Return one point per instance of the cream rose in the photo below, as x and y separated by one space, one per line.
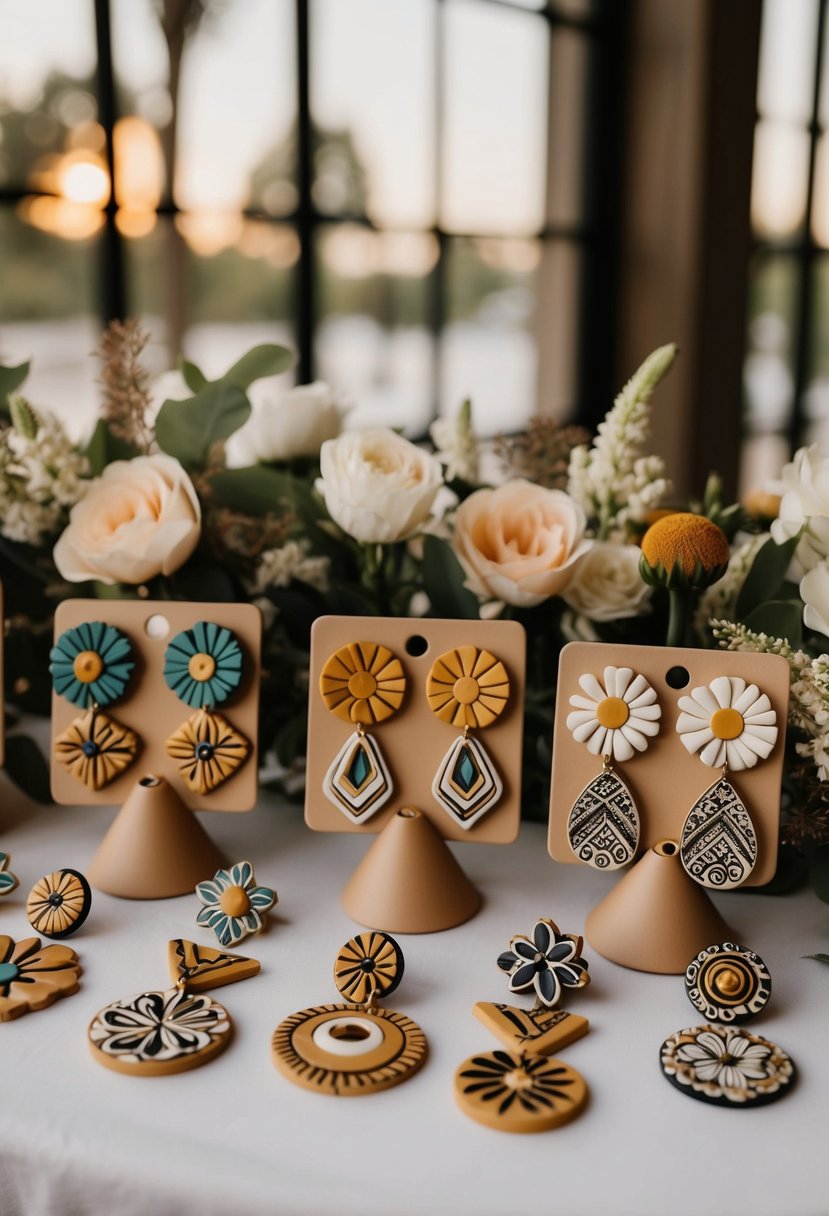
140 518
805 501
377 486
814 591
520 542
607 585
284 424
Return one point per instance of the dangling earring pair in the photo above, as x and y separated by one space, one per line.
365 684
91 666
728 723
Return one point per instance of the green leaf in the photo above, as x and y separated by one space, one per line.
821 958
765 578
27 767
10 379
256 490
443 582
188 429
779 619
266 360
104 447
194 378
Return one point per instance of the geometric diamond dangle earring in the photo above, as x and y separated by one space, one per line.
615 721
203 667
730 725
467 688
363 684
91 666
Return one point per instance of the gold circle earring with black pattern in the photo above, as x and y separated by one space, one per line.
468 688
364 684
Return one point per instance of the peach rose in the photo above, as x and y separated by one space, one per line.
140 518
519 543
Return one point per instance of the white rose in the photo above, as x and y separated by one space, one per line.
607 585
140 518
814 591
519 543
377 486
805 501
284 424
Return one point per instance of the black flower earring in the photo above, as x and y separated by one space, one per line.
203 667
91 666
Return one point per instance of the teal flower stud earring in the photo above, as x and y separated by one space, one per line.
233 905
203 666
8 881
91 666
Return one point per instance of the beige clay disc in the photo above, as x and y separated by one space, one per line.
512 1093
337 1049
158 1033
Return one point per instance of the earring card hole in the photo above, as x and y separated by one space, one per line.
416 646
152 711
665 780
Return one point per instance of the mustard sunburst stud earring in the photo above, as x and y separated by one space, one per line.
467 688
91 666
363 684
730 725
203 667
616 720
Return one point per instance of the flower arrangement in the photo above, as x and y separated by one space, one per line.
234 489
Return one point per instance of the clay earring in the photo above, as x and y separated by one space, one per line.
356 1048
157 1033
203 667
521 1089
363 684
467 688
91 666
616 721
730 725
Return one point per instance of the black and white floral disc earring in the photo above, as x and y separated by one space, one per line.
729 725
616 720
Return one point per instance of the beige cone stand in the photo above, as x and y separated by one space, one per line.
656 918
155 847
409 881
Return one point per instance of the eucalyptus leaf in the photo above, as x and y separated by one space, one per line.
779 619
27 767
104 447
255 490
820 958
443 582
765 578
188 429
265 360
194 377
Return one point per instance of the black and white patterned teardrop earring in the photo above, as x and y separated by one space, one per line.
729 725
616 720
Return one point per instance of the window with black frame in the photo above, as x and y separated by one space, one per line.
417 195
787 347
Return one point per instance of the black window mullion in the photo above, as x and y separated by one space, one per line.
305 213
113 294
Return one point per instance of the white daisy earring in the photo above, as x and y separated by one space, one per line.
616 720
730 725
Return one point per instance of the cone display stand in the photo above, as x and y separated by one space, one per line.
656 918
155 848
409 880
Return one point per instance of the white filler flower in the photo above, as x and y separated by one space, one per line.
728 722
615 720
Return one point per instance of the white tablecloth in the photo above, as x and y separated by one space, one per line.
235 1137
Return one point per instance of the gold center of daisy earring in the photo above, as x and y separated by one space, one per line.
612 713
202 667
87 666
466 690
362 685
726 724
235 901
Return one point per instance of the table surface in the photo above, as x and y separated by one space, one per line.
236 1138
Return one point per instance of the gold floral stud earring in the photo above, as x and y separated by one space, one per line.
203 667
615 720
467 688
729 725
91 666
363 684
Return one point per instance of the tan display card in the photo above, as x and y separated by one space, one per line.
666 780
152 711
414 740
